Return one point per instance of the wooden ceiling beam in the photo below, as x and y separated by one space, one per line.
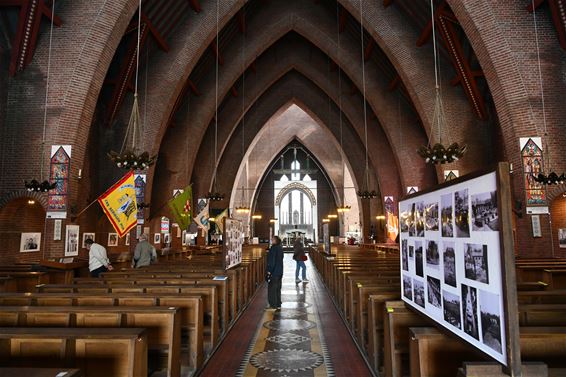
369 49
195 4
29 22
216 52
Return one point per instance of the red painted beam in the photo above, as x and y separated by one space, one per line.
216 53
125 74
387 3
537 3
393 84
234 92
195 4
155 34
353 89
253 67
193 88
558 12
242 21
465 75
369 49
426 33
342 18
29 22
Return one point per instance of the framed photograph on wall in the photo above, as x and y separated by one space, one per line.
167 238
30 242
562 238
71 240
127 239
112 239
184 238
87 236
157 238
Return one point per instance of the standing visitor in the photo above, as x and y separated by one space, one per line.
300 257
274 273
98 261
144 254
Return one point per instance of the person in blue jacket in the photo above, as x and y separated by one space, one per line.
274 273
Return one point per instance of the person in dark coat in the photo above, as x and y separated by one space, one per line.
299 257
274 273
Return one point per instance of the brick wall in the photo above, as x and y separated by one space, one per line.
19 217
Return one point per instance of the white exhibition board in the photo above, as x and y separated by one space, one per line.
233 242
451 261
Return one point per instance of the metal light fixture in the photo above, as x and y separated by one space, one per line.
325 220
380 217
552 178
332 216
438 153
131 156
256 217
342 209
215 196
272 221
365 192
42 185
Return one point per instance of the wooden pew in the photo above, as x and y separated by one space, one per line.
25 281
162 324
39 372
190 306
120 352
375 325
435 354
209 295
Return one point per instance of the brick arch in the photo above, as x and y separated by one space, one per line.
311 65
293 187
293 87
40 198
554 192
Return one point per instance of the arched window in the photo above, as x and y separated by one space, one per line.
295 167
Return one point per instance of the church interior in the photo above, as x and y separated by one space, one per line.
162 161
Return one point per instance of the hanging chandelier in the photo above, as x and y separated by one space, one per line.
365 192
42 185
243 208
552 178
438 153
216 196
131 156
344 208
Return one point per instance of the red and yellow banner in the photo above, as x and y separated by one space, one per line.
392 226
119 204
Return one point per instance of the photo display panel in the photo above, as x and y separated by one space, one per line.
233 242
451 261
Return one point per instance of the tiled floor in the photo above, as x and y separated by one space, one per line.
305 338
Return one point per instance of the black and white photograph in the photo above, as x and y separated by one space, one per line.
112 239
411 252
411 220
404 260
431 217
451 304
167 238
418 292
157 238
127 243
484 212
404 221
475 262
449 262
71 240
470 311
419 219
407 287
404 244
446 215
433 291
462 214
432 255
490 320
87 236
419 258
562 238
30 242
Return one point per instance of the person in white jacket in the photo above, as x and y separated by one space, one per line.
98 261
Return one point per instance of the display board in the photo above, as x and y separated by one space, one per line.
326 238
451 264
233 242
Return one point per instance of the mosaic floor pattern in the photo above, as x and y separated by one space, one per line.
289 341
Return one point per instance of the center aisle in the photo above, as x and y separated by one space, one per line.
305 338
